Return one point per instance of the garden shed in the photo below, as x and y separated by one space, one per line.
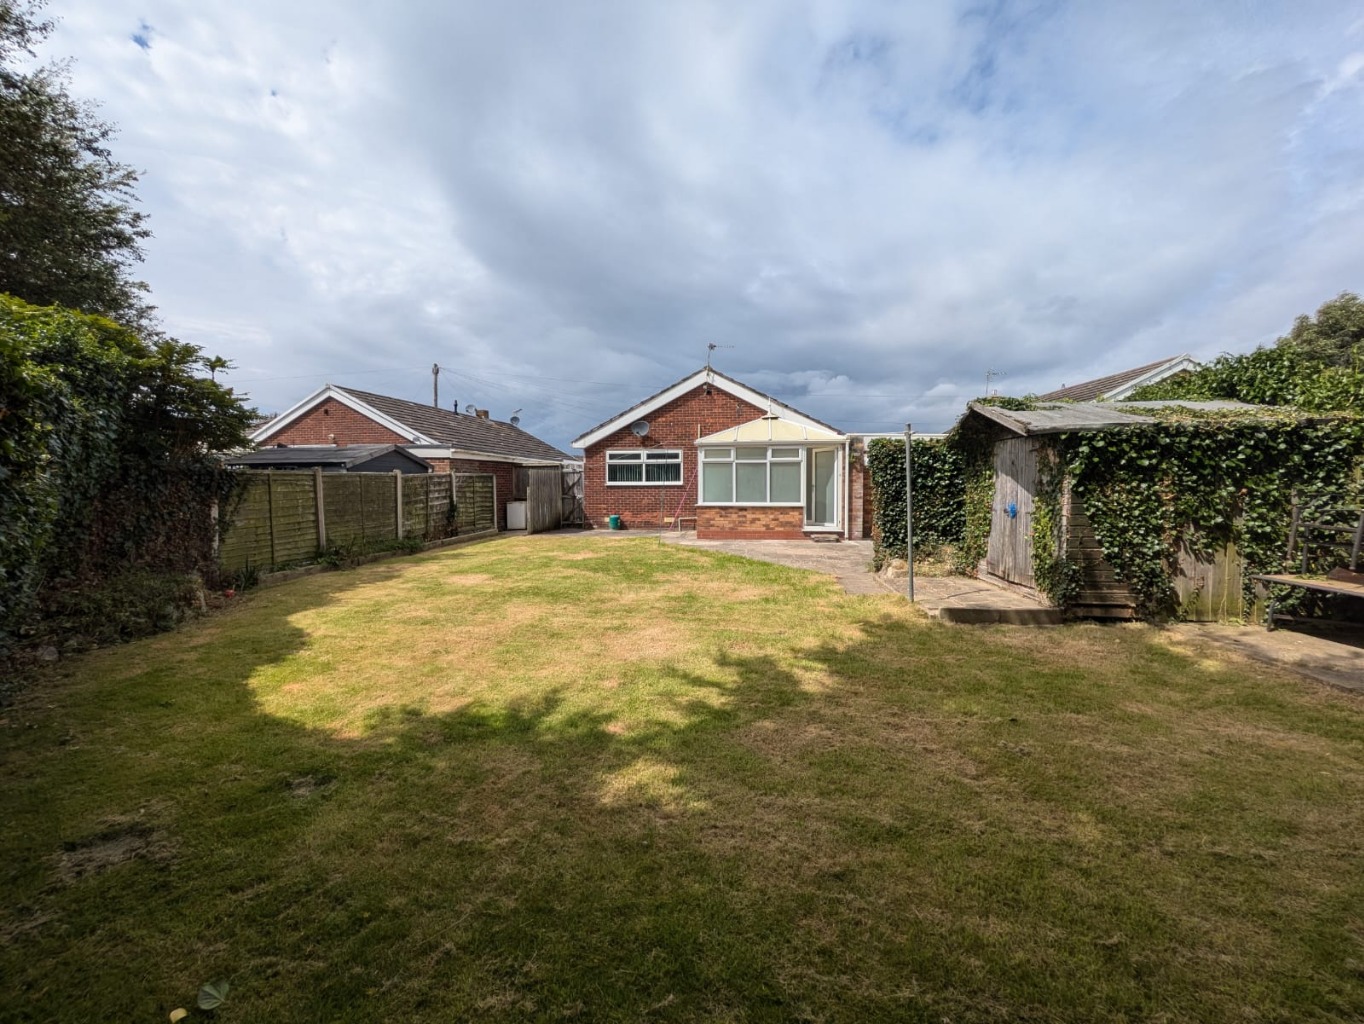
1024 465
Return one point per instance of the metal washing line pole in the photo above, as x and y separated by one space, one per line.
909 506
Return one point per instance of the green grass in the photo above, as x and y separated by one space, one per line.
577 779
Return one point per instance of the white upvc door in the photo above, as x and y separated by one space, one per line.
821 490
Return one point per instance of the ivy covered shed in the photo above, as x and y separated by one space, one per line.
1126 509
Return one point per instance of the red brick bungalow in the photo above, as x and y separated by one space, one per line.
736 463
448 440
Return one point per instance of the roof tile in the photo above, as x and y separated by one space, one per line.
470 433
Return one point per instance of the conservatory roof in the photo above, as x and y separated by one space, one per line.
771 428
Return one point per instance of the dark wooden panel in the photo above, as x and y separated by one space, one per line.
1009 550
544 498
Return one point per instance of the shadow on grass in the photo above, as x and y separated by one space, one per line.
905 826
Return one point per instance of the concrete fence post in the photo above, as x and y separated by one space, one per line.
270 511
320 500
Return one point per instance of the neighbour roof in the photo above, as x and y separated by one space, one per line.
427 425
1064 417
706 375
318 455
469 433
770 428
1119 385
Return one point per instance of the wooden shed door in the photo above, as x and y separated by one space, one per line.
1009 555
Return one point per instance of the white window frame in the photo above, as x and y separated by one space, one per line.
708 457
642 457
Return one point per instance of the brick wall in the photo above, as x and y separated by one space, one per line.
859 488
749 522
676 426
334 423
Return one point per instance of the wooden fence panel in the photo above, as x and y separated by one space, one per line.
293 517
441 496
247 541
416 511
275 523
475 503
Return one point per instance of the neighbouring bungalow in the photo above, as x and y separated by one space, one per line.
1118 386
445 440
713 453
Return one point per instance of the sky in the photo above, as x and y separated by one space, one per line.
866 207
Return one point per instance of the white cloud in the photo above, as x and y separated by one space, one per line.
873 203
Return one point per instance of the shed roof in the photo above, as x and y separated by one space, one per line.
301 456
770 428
1065 417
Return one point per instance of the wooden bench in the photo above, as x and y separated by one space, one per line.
1333 532
1331 583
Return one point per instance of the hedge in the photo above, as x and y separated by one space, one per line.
939 495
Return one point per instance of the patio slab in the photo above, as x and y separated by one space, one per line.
971 602
1336 659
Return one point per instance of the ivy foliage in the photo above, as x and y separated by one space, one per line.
1316 366
939 492
104 465
1196 481
1283 375
1056 575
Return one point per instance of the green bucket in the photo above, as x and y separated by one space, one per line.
613 522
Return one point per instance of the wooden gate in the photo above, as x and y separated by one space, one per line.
544 498
573 497
1009 555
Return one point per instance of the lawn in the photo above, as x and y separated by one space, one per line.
578 778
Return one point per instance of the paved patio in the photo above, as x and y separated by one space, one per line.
950 598
848 561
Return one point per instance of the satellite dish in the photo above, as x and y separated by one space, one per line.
515 421
469 409
639 428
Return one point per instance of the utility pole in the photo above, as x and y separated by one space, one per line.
435 385
909 506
